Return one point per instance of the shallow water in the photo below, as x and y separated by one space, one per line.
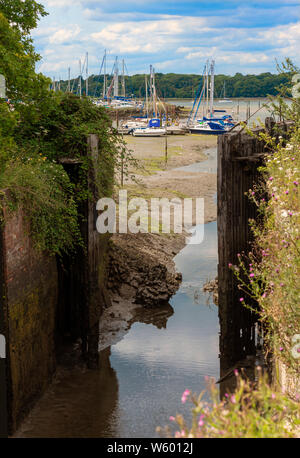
207 166
154 366
143 376
237 108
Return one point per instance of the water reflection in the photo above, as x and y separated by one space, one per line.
154 366
80 403
142 377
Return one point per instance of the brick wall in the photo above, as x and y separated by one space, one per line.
30 286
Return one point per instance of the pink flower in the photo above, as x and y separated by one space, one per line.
280 348
242 299
229 265
273 396
185 395
251 275
201 422
236 372
172 418
296 183
233 400
286 192
271 178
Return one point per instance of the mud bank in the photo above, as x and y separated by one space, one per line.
141 268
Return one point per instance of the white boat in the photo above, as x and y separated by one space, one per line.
208 128
149 132
224 100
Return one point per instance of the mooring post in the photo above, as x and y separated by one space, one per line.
238 158
166 149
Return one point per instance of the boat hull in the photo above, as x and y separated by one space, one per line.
147 135
207 132
149 132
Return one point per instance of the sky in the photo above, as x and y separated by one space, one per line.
175 36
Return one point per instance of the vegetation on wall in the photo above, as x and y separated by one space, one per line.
273 268
37 129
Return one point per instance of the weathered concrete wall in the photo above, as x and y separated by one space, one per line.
30 286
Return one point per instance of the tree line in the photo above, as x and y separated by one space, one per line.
172 85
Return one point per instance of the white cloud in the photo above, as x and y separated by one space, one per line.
233 57
173 42
64 35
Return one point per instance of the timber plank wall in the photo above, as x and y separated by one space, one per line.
239 157
44 299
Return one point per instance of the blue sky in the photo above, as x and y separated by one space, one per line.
173 35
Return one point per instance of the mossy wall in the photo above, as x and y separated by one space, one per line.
30 285
46 300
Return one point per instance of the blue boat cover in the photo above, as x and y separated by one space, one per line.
155 122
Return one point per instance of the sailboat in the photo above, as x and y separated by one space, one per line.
154 127
209 124
224 100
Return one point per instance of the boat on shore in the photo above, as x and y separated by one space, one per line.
149 132
208 128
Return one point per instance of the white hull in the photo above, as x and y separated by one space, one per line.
149 132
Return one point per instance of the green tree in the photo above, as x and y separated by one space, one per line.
17 55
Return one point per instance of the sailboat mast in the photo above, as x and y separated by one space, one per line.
212 87
80 78
154 95
116 79
151 91
207 87
123 78
87 75
69 79
104 76
146 88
